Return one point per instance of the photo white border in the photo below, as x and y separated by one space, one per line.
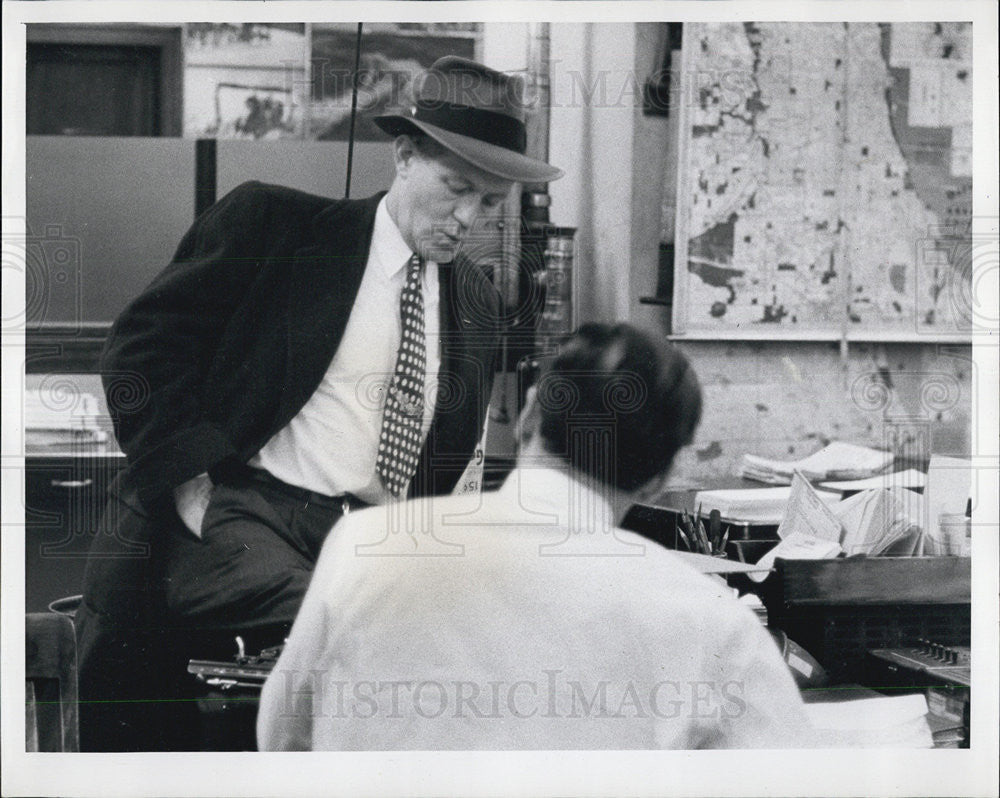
687 773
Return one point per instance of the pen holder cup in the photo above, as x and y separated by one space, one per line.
954 534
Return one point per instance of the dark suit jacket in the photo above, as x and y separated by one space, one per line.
233 337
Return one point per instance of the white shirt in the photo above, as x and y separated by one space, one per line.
540 631
331 445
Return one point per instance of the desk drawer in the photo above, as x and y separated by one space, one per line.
64 500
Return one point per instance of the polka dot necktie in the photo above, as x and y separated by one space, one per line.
400 439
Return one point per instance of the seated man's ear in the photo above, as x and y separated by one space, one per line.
530 418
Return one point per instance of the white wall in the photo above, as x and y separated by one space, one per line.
613 157
779 399
505 45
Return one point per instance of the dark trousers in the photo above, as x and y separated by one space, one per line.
251 567
246 576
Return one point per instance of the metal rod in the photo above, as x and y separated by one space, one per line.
205 169
354 111
539 77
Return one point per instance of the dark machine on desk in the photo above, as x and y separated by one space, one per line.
244 672
891 624
228 709
943 671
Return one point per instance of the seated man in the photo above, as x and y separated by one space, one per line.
533 622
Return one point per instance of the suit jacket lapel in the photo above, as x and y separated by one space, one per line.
459 378
325 278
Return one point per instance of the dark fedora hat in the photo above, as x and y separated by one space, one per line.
475 112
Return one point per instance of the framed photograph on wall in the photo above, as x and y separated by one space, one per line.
392 55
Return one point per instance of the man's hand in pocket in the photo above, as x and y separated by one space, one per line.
191 500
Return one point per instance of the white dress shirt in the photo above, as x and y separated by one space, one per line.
331 445
545 628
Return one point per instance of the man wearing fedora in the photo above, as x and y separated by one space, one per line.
298 358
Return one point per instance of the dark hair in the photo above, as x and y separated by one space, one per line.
618 404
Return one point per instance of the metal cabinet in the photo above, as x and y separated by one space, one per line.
64 497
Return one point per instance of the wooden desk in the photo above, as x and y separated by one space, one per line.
65 489
656 518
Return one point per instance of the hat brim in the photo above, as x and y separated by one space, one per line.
490 158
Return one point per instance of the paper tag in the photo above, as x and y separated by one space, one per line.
472 478
803 667
797 546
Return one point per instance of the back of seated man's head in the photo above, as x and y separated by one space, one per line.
617 404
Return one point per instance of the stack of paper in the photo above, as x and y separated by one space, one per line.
809 529
884 722
836 461
910 478
876 521
718 565
754 505
945 716
872 522
52 419
797 547
947 733
909 542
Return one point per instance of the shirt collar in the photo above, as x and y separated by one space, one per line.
552 492
388 248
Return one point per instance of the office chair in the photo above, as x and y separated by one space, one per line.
50 684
